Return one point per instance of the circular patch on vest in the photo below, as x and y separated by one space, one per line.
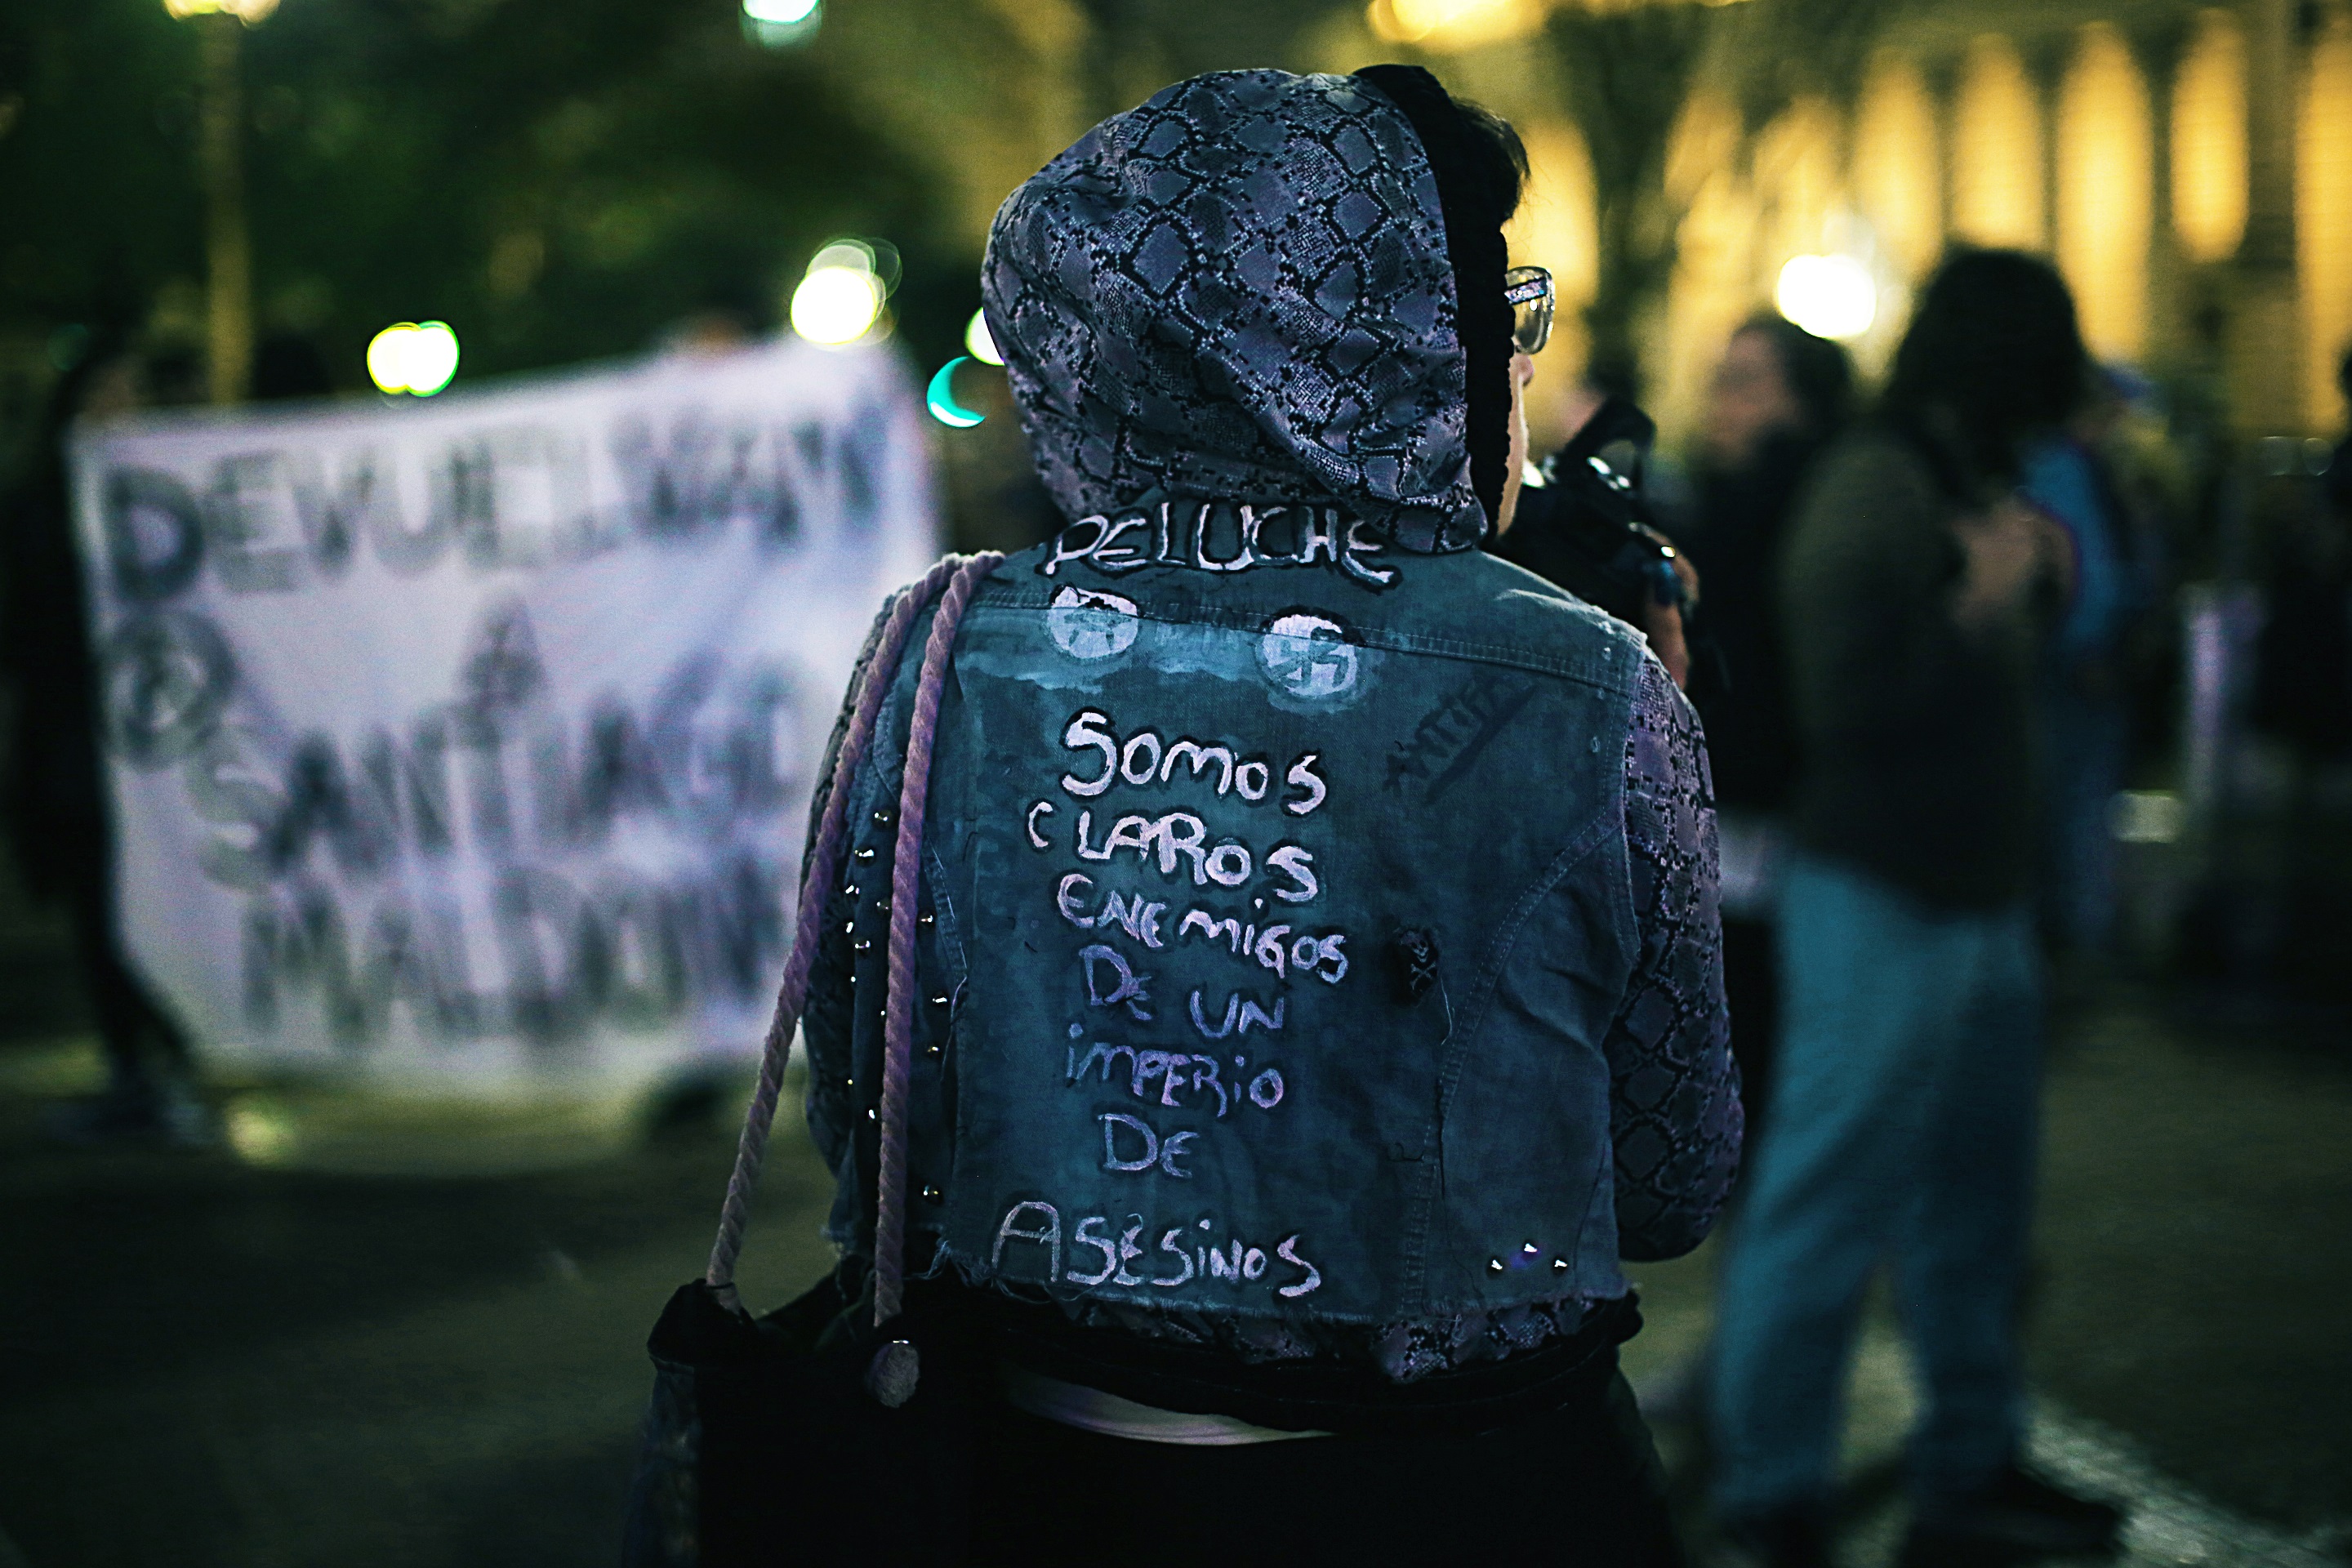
1309 657
1088 625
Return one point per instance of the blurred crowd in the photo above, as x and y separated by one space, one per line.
1940 633
2143 517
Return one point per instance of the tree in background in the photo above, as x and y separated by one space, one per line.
558 179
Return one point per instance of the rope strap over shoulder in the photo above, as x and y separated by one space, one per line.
905 872
951 581
816 876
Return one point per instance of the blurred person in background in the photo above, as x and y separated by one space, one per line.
1902 1123
2086 706
2339 463
59 807
1290 290
2303 660
1779 395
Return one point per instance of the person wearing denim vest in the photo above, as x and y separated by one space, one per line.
1318 934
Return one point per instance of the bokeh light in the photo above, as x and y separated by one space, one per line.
248 12
840 301
1453 24
1829 295
836 305
940 398
780 23
977 343
416 357
856 255
2209 139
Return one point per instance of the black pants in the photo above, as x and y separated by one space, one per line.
1580 1486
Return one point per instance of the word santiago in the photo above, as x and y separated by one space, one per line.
499 778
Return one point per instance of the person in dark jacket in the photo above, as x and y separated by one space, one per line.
59 814
1318 913
1914 594
1779 395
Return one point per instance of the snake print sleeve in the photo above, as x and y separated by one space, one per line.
1675 1115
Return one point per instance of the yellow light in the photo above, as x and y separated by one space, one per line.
1453 24
248 12
1829 295
2323 217
977 343
261 1133
1996 150
416 357
836 305
2106 177
2209 140
1895 164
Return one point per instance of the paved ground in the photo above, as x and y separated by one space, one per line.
209 1363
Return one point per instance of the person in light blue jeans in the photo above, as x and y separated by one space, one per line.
1911 1050
1917 595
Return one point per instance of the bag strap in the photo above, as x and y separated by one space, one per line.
950 573
906 873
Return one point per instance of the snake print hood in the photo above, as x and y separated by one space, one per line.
1241 290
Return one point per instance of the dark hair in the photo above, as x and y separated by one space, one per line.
1480 165
1819 373
1994 346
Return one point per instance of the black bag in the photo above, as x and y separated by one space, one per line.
840 1423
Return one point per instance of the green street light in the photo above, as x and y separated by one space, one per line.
220 168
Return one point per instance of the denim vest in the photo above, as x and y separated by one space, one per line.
1276 907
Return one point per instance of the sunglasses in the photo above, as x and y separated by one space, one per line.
1527 291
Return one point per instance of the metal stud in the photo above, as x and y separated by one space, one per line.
849 1083
884 817
872 1115
1530 1249
933 1049
882 904
1493 1265
849 928
863 944
938 1001
864 855
932 1195
849 890
1560 1266
925 919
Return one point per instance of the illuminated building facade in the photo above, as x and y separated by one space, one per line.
2188 167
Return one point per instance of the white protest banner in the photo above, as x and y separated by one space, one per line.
467 745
